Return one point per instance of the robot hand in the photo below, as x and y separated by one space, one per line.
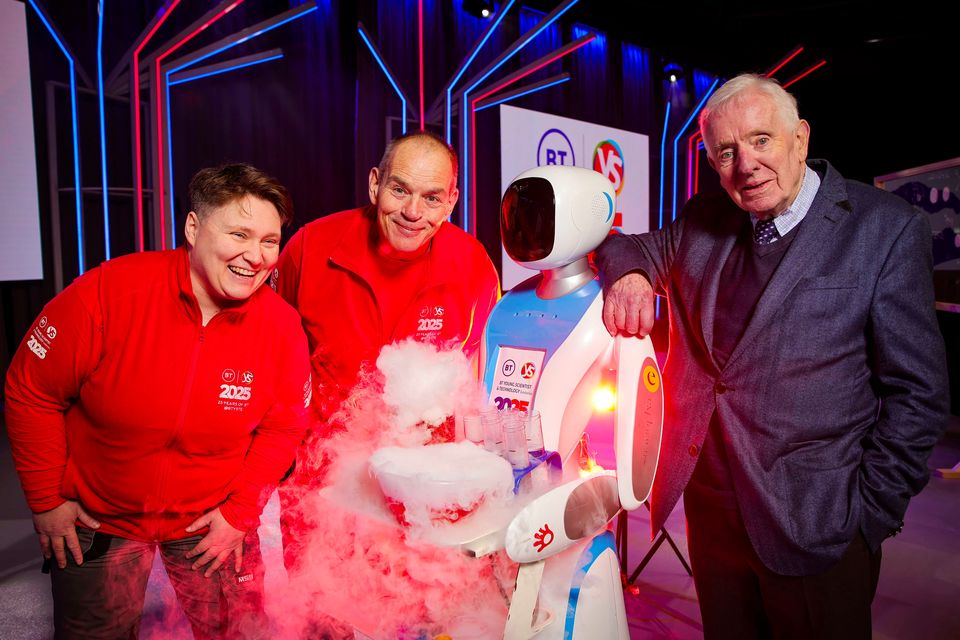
561 517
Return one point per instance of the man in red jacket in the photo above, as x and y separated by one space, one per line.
370 276
155 404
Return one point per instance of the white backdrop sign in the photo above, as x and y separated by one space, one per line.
20 257
530 139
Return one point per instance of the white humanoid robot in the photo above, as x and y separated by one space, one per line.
545 348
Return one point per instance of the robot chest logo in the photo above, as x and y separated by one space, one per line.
555 148
542 538
608 161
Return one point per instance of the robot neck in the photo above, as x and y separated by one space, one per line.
558 282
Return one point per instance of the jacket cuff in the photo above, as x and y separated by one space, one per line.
239 518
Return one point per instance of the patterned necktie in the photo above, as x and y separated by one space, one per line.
765 231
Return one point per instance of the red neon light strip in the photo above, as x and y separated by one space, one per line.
696 170
473 128
533 70
791 56
420 26
159 101
690 168
473 167
693 150
806 73
138 163
159 186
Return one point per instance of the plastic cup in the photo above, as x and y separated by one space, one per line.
492 430
473 429
515 442
534 433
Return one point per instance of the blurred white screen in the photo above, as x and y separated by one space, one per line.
20 257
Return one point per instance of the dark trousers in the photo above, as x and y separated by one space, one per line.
741 598
103 597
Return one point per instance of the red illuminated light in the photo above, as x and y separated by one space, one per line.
138 163
420 27
790 56
805 73
159 101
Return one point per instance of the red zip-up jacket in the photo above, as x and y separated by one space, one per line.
120 399
326 273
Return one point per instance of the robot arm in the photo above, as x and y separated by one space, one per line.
638 420
578 509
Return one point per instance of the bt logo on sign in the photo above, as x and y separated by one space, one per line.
555 148
608 161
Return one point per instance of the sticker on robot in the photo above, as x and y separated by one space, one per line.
515 378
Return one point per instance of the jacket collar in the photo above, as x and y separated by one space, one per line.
354 251
184 290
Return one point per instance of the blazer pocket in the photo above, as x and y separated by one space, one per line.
819 502
832 281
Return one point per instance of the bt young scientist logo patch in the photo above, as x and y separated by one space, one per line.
235 390
41 338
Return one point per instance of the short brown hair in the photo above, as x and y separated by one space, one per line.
216 186
427 137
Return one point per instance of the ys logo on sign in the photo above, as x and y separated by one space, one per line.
608 161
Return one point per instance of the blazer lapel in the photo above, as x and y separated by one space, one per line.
710 285
816 230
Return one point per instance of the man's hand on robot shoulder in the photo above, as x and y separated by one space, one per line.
57 530
628 306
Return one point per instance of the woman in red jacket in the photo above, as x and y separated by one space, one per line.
155 404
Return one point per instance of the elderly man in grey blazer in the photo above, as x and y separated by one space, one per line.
806 380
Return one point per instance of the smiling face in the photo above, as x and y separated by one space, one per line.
414 195
233 248
759 155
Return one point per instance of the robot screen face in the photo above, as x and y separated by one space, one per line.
528 220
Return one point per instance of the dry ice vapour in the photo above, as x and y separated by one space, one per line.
362 567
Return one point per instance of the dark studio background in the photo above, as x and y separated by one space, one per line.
319 117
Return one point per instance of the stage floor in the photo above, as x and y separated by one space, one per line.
917 596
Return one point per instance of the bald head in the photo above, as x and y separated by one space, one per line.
421 141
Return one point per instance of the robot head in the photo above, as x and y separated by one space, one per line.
552 216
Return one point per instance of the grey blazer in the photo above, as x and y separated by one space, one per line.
835 395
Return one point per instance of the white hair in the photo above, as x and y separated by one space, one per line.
751 82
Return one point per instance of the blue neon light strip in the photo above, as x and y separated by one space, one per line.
173 212
524 93
686 124
383 67
230 45
493 27
76 141
166 90
224 70
663 159
103 132
466 114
